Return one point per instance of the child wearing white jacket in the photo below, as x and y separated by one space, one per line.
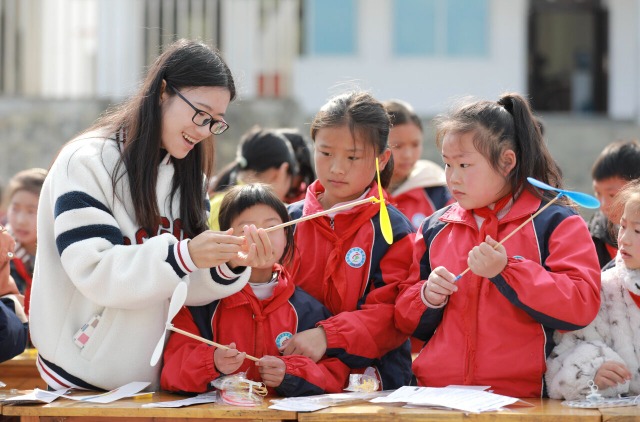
607 351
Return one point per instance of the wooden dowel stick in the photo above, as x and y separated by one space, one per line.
321 213
514 231
204 340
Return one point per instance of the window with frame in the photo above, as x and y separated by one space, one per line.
331 27
456 28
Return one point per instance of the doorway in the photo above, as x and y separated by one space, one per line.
568 50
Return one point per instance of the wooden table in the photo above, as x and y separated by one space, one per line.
545 410
620 414
21 372
132 410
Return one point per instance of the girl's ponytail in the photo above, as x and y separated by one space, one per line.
534 158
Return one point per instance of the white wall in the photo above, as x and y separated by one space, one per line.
429 84
624 53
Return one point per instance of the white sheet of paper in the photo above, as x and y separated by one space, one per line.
467 400
470 387
401 395
125 391
297 405
37 396
209 397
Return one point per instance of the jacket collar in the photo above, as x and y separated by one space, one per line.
525 205
283 291
312 205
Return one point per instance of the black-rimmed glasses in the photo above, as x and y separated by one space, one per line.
202 118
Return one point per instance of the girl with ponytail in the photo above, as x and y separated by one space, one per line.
494 326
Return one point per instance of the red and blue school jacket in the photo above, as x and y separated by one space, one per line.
499 331
362 332
422 193
258 327
419 203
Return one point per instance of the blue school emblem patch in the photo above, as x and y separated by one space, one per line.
355 257
282 337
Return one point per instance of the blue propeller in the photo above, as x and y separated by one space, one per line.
579 198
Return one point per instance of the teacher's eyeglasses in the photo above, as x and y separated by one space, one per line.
202 118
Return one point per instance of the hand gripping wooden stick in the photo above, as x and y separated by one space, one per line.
514 231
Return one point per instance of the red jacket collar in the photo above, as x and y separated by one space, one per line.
312 205
283 291
525 205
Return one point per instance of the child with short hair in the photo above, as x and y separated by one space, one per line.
22 196
418 187
257 320
617 164
494 325
607 351
342 259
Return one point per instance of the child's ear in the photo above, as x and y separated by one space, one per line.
383 158
508 161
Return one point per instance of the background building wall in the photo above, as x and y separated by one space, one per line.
428 83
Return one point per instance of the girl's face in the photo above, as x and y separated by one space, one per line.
22 217
406 146
263 217
629 235
605 191
470 177
344 166
179 133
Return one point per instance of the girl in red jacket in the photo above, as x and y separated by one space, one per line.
342 259
494 326
257 320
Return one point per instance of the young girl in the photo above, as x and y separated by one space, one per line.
342 259
263 156
23 193
607 352
418 187
123 219
494 325
256 320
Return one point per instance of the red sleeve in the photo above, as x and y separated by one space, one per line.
188 363
370 332
566 294
305 377
412 315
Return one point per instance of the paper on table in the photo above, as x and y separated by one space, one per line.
401 395
297 405
471 387
313 403
209 397
127 390
467 400
36 396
